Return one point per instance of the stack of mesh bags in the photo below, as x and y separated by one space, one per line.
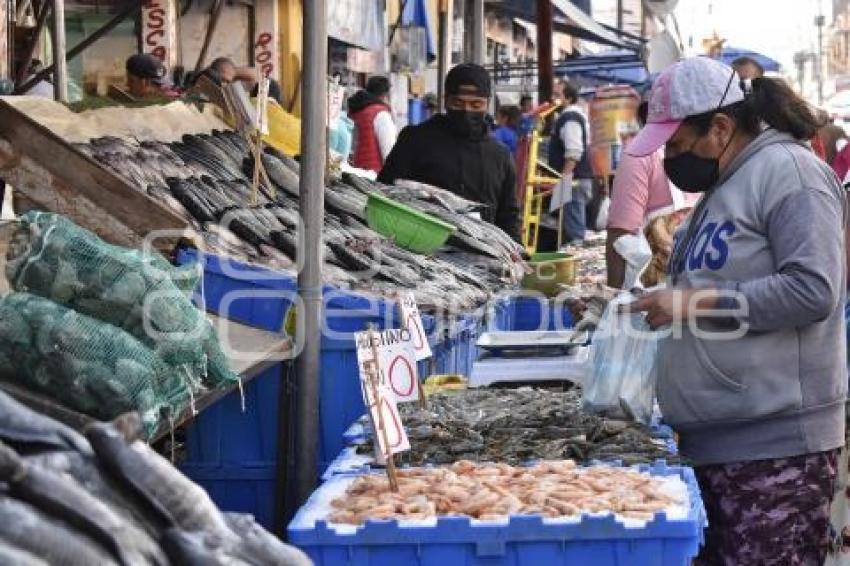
132 300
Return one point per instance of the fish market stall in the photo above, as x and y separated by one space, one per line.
108 498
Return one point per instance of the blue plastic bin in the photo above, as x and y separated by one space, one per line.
238 488
525 540
539 313
500 315
232 454
223 435
258 296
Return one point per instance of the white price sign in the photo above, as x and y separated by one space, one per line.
412 321
382 382
396 361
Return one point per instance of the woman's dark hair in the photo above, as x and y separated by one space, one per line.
770 101
512 114
642 113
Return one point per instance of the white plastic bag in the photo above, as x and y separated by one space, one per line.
637 253
602 216
621 379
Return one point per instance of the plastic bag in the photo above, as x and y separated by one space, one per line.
637 253
621 381
602 214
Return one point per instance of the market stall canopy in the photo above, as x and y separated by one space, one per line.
415 13
357 22
570 19
614 67
729 54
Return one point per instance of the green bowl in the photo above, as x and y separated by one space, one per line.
550 270
409 228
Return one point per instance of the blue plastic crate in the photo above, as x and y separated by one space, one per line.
260 297
525 540
238 488
540 313
222 434
500 314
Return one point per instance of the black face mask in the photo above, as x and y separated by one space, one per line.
693 173
467 124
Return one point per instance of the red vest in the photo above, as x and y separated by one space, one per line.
367 150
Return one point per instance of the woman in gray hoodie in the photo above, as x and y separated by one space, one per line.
753 370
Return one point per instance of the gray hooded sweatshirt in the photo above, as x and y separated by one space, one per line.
772 232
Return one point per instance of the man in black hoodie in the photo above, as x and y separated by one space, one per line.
454 151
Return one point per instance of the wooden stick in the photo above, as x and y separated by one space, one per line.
258 143
374 376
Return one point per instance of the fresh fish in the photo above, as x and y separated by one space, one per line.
25 527
195 549
31 432
62 497
169 494
18 557
258 546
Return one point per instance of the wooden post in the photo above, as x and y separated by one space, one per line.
374 377
444 51
159 31
60 63
545 75
5 72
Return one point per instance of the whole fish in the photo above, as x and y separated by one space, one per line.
25 527
61 497
18 557
169 494
31 432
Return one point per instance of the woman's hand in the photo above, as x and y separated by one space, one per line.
672 305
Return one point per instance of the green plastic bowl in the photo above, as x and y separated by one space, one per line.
549 271
409 228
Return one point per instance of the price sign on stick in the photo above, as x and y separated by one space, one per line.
412 321
379 397
396 362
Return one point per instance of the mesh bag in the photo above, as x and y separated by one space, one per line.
89 365
138 292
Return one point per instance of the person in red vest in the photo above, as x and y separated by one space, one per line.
374 130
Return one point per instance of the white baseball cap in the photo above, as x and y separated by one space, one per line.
690 87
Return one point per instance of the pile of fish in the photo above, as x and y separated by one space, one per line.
109 499
490 492
518 425
206 180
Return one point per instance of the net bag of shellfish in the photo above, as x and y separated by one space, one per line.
87 365
621 380
137 291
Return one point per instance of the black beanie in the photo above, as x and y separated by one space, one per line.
468 78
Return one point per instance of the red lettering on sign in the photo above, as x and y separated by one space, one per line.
395 372
156 18
150 38
418 339
159 52
264 57
264 39
396 426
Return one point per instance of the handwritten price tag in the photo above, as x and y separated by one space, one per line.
382 381
396 362
413 323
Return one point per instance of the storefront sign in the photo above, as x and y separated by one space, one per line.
159 30
357 22
267 39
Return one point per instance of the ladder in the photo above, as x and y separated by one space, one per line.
538 182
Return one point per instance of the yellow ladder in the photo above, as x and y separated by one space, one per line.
537 187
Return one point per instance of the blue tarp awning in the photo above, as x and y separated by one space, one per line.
729 54
415 13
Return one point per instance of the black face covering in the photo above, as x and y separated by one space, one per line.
692 173
467 124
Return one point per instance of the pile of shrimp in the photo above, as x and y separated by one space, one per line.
493 491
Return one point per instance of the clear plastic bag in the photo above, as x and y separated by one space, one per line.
621 380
